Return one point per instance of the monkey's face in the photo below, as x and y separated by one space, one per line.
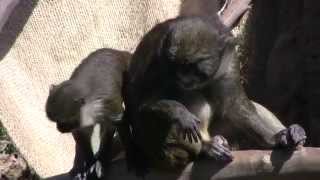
63 108
194 76
194 51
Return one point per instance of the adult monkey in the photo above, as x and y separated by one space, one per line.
184 71
89 105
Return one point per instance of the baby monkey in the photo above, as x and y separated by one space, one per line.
89 105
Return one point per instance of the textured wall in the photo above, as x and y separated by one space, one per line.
41 44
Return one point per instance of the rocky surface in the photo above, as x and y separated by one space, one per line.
12 164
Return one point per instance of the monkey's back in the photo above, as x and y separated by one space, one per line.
101 72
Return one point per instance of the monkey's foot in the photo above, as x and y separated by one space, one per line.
94 172
291 137
218 149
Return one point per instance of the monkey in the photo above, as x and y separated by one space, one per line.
89 105
183 81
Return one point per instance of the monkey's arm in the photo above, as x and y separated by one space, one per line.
250 117
258 123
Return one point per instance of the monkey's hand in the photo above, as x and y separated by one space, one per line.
291 137
188 126
186 123
217 149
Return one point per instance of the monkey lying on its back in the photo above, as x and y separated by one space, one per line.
88 105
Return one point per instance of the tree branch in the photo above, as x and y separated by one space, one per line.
247 165
232 11
251 164
229 14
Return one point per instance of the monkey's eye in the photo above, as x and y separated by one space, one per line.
205 67
186 68
79 101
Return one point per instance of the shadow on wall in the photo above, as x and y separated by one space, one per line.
15 24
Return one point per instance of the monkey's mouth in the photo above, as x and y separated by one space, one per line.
187 86
65 127
190 85
191 82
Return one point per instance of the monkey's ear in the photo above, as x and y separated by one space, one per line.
165 48
52 88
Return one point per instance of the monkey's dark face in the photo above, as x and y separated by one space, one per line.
63 107
194 50
196 75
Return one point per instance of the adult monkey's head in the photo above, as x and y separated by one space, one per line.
193 48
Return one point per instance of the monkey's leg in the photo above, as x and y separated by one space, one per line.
105 151
97 170
83 154
151 128
102 149
217 149
260 124
253 119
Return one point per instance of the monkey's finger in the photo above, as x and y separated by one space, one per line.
227 154
189 136
215 154
198 135
226 157
293 135
218 155
219 139
297 133
224 153
197 120
220 148
184 134
283 140
194 136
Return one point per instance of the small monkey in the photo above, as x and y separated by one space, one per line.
89 105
